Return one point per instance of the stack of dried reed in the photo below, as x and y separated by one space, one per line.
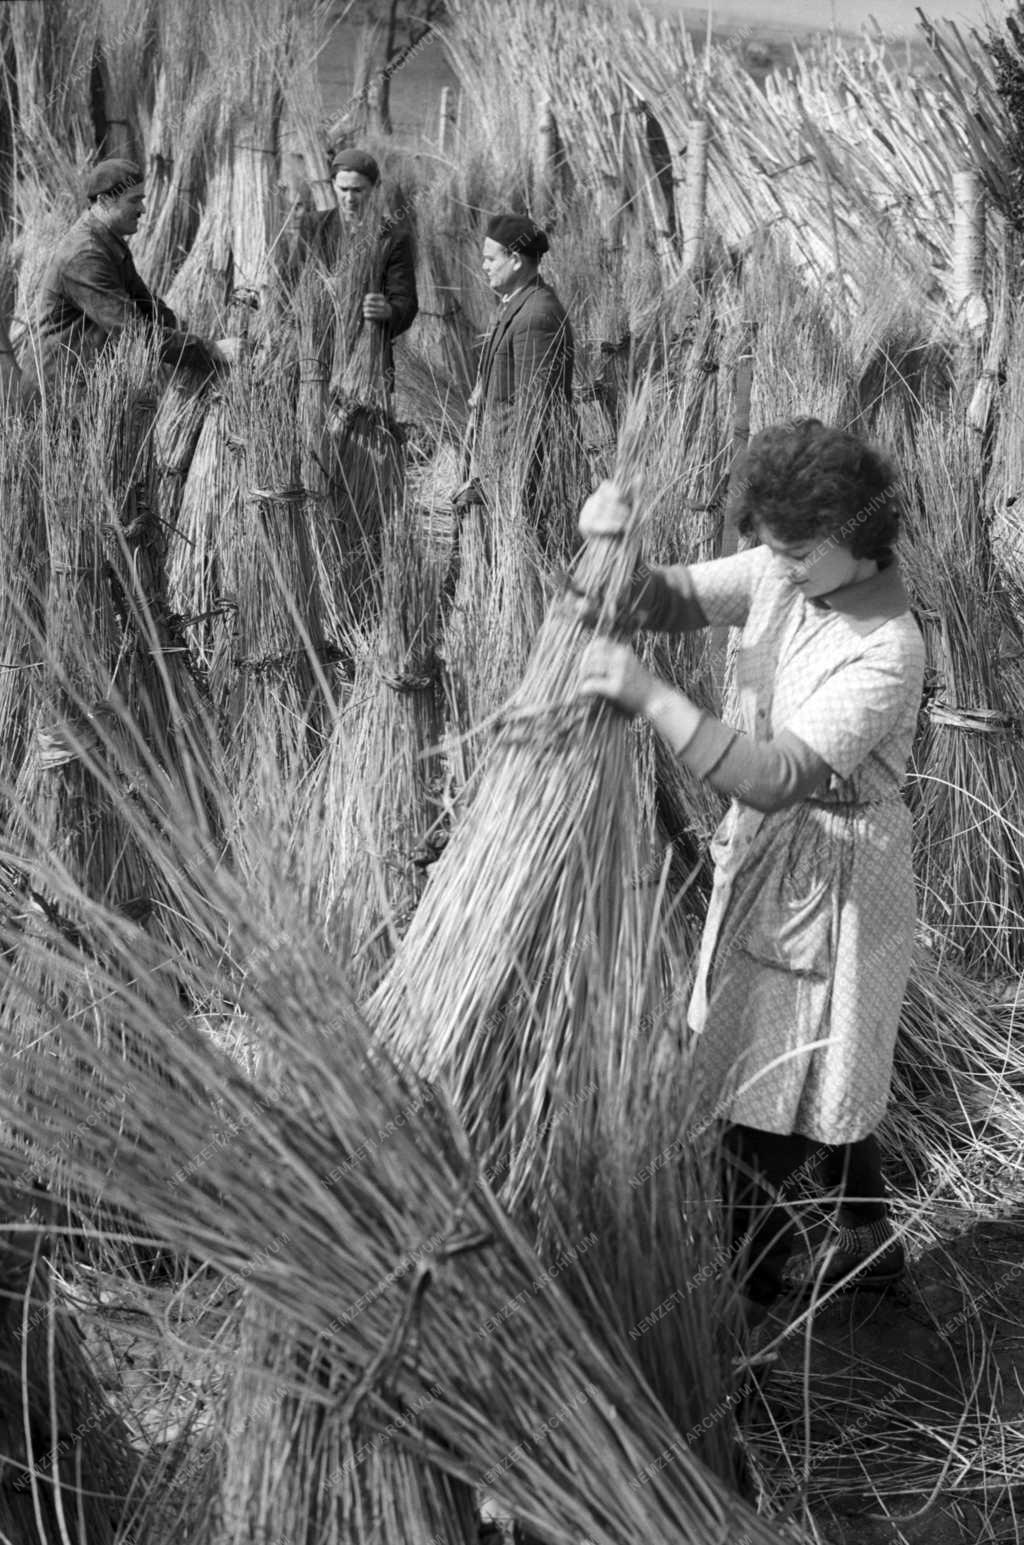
345 1197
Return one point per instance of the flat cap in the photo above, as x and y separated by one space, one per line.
112 177
355 161
518 233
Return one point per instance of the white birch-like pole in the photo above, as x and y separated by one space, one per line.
695 192
547 155
967 282
444 119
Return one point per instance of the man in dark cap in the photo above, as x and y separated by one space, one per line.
526 366
392 271
92 292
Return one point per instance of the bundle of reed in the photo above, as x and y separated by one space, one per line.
366 458
540 858
115 699
206 499
59 808
312 1488
184 120
1005 472
22 595
444 333
181 412
45 49
301 136
402 1271
493 616
200 288
967 762
265 672
381 768
254 218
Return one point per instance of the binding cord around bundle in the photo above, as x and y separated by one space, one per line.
977 721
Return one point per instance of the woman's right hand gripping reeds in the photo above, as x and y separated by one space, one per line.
607 513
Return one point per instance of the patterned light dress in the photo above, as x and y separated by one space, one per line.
807 944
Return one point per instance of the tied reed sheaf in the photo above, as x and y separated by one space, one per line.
392 1260
527 932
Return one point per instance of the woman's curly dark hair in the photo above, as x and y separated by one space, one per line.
804 479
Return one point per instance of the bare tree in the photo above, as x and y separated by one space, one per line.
408 25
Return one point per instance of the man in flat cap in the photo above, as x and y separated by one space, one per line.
92 291
524 382
370 252
392 299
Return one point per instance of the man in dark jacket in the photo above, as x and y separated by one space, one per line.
392 270
526 367
92 292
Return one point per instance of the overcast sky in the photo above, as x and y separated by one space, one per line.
893 15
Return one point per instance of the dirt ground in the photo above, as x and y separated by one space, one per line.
901 1415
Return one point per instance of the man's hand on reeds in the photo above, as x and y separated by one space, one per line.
613 671
376 308
226 351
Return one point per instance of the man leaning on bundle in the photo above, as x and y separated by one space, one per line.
92 292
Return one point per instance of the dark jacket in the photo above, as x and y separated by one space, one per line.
91 292
321 236
525 376
527 359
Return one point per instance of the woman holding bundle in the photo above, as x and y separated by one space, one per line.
807 944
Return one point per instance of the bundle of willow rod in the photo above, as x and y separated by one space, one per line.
444 1334
535 881
381 768
969 758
